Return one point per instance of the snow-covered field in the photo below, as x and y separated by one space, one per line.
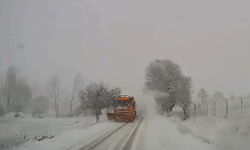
163 134
226 134
14 131
201 131
73 139
234 108
230 133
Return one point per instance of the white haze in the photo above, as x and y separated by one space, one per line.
114 40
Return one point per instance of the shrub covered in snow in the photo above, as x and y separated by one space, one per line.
16 115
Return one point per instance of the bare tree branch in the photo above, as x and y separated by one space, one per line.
165 77
98 96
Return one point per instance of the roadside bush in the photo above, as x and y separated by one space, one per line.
16 115
2 111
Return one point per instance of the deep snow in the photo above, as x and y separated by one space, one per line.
206 132
225 134
15 131
163 134
72 139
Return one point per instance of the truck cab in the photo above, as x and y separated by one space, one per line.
125 110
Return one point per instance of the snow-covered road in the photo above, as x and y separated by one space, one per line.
154 132
163 134
123 139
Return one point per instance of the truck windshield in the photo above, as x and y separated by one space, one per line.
123 103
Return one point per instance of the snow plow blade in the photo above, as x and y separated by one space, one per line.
126 118
127 114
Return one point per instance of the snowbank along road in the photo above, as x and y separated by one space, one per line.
127 137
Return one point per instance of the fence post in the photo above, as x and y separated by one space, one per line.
212 109
207 110
226 107
214 104
195 112
241 106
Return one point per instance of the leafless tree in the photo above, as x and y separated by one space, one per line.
9 85
2 109
34 95
55 84
202 95
2 93
15 92
21 97
76 84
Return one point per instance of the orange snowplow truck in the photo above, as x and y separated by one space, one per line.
125 110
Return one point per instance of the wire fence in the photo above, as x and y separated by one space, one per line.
223 109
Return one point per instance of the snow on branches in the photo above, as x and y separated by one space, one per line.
166 77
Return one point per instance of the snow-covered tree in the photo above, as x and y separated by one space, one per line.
15 92
94 97
9 85
203 94
55 86
161 76
162 102
77 81
112 95
98 96
21 96
183 93
2 102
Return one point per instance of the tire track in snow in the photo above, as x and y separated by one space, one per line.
97 142
129 142
128 138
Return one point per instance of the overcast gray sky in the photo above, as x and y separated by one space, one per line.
114 40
